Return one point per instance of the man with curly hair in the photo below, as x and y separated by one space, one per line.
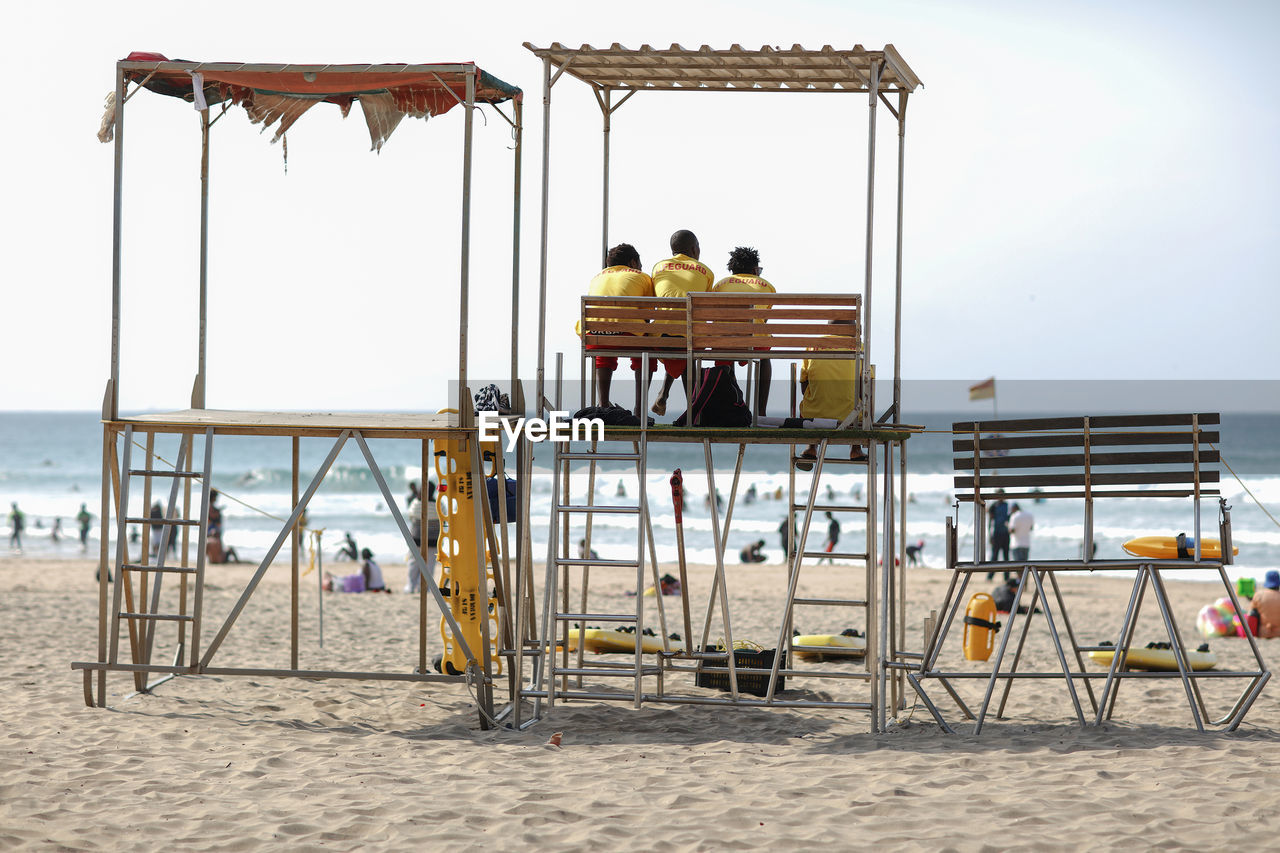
744 264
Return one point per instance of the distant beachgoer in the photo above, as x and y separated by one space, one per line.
750 496
348 550
582 551
217 554
831 492
84 519
413 493
998 523
372 573
679 276
913 553
416 507
1004 596
751 553
215 514
787 531
158 530
55 532
1020 524
17 523
1266 604
833 536
621 491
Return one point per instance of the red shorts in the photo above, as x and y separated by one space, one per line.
610 363
674 367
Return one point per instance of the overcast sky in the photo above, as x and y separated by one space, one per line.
1091 192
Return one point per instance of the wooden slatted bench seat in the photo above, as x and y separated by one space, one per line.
1084 459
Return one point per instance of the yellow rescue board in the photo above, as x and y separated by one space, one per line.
1158 660
603 642
1166 547
819 647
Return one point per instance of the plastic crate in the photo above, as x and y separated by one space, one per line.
752 666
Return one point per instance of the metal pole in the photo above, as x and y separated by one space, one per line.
897 275
198 398
874 89
515 261
117 228
464 410
606 109
542 262
293 565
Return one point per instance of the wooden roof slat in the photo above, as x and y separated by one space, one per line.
677 67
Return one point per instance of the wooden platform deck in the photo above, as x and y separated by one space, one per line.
232 422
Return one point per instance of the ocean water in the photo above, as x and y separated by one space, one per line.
50 463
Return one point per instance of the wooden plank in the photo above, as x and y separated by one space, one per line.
651 302
730 327
1111 478
776 298
614 312
1096 439
968 497
627 328
1099 422
777 342
1076 460
814 315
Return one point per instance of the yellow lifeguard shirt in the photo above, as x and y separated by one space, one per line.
681 275
619 280
743 283
832 389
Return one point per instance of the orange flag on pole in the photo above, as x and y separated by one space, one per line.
984 390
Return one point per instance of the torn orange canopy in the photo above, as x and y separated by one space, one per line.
282 93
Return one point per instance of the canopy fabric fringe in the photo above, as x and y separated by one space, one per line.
382 116
107 130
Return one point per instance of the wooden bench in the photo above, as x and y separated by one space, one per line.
1147 457
723 326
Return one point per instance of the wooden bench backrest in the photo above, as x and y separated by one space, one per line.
1105 456
792 324
604 318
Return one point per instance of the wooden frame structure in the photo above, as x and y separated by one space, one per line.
614 75
269 92
1150 457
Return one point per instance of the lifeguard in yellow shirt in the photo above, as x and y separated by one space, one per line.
622 276
744 264
677 276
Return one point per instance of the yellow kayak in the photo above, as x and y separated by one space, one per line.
820 647
1166 548
601 641
1158 657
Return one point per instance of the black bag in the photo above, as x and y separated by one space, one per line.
719 401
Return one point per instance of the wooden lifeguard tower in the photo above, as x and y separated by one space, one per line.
615 74
150 592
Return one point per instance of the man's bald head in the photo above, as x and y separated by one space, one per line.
684 242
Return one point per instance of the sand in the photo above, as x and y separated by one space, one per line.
228 763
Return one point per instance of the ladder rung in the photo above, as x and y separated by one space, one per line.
596 561
595 617
176 570
152 472
616 510
159 617
609 672
833 602
608 456
185 522
842 555
829 508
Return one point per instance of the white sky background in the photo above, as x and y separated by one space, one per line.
1091 192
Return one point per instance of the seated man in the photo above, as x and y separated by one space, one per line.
679 276
830 388
744 263
752 553
622 276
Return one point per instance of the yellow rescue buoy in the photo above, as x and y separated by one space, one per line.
980 627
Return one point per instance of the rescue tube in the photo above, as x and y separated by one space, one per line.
605 641
980 627
820 647
1159 657
1167 548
